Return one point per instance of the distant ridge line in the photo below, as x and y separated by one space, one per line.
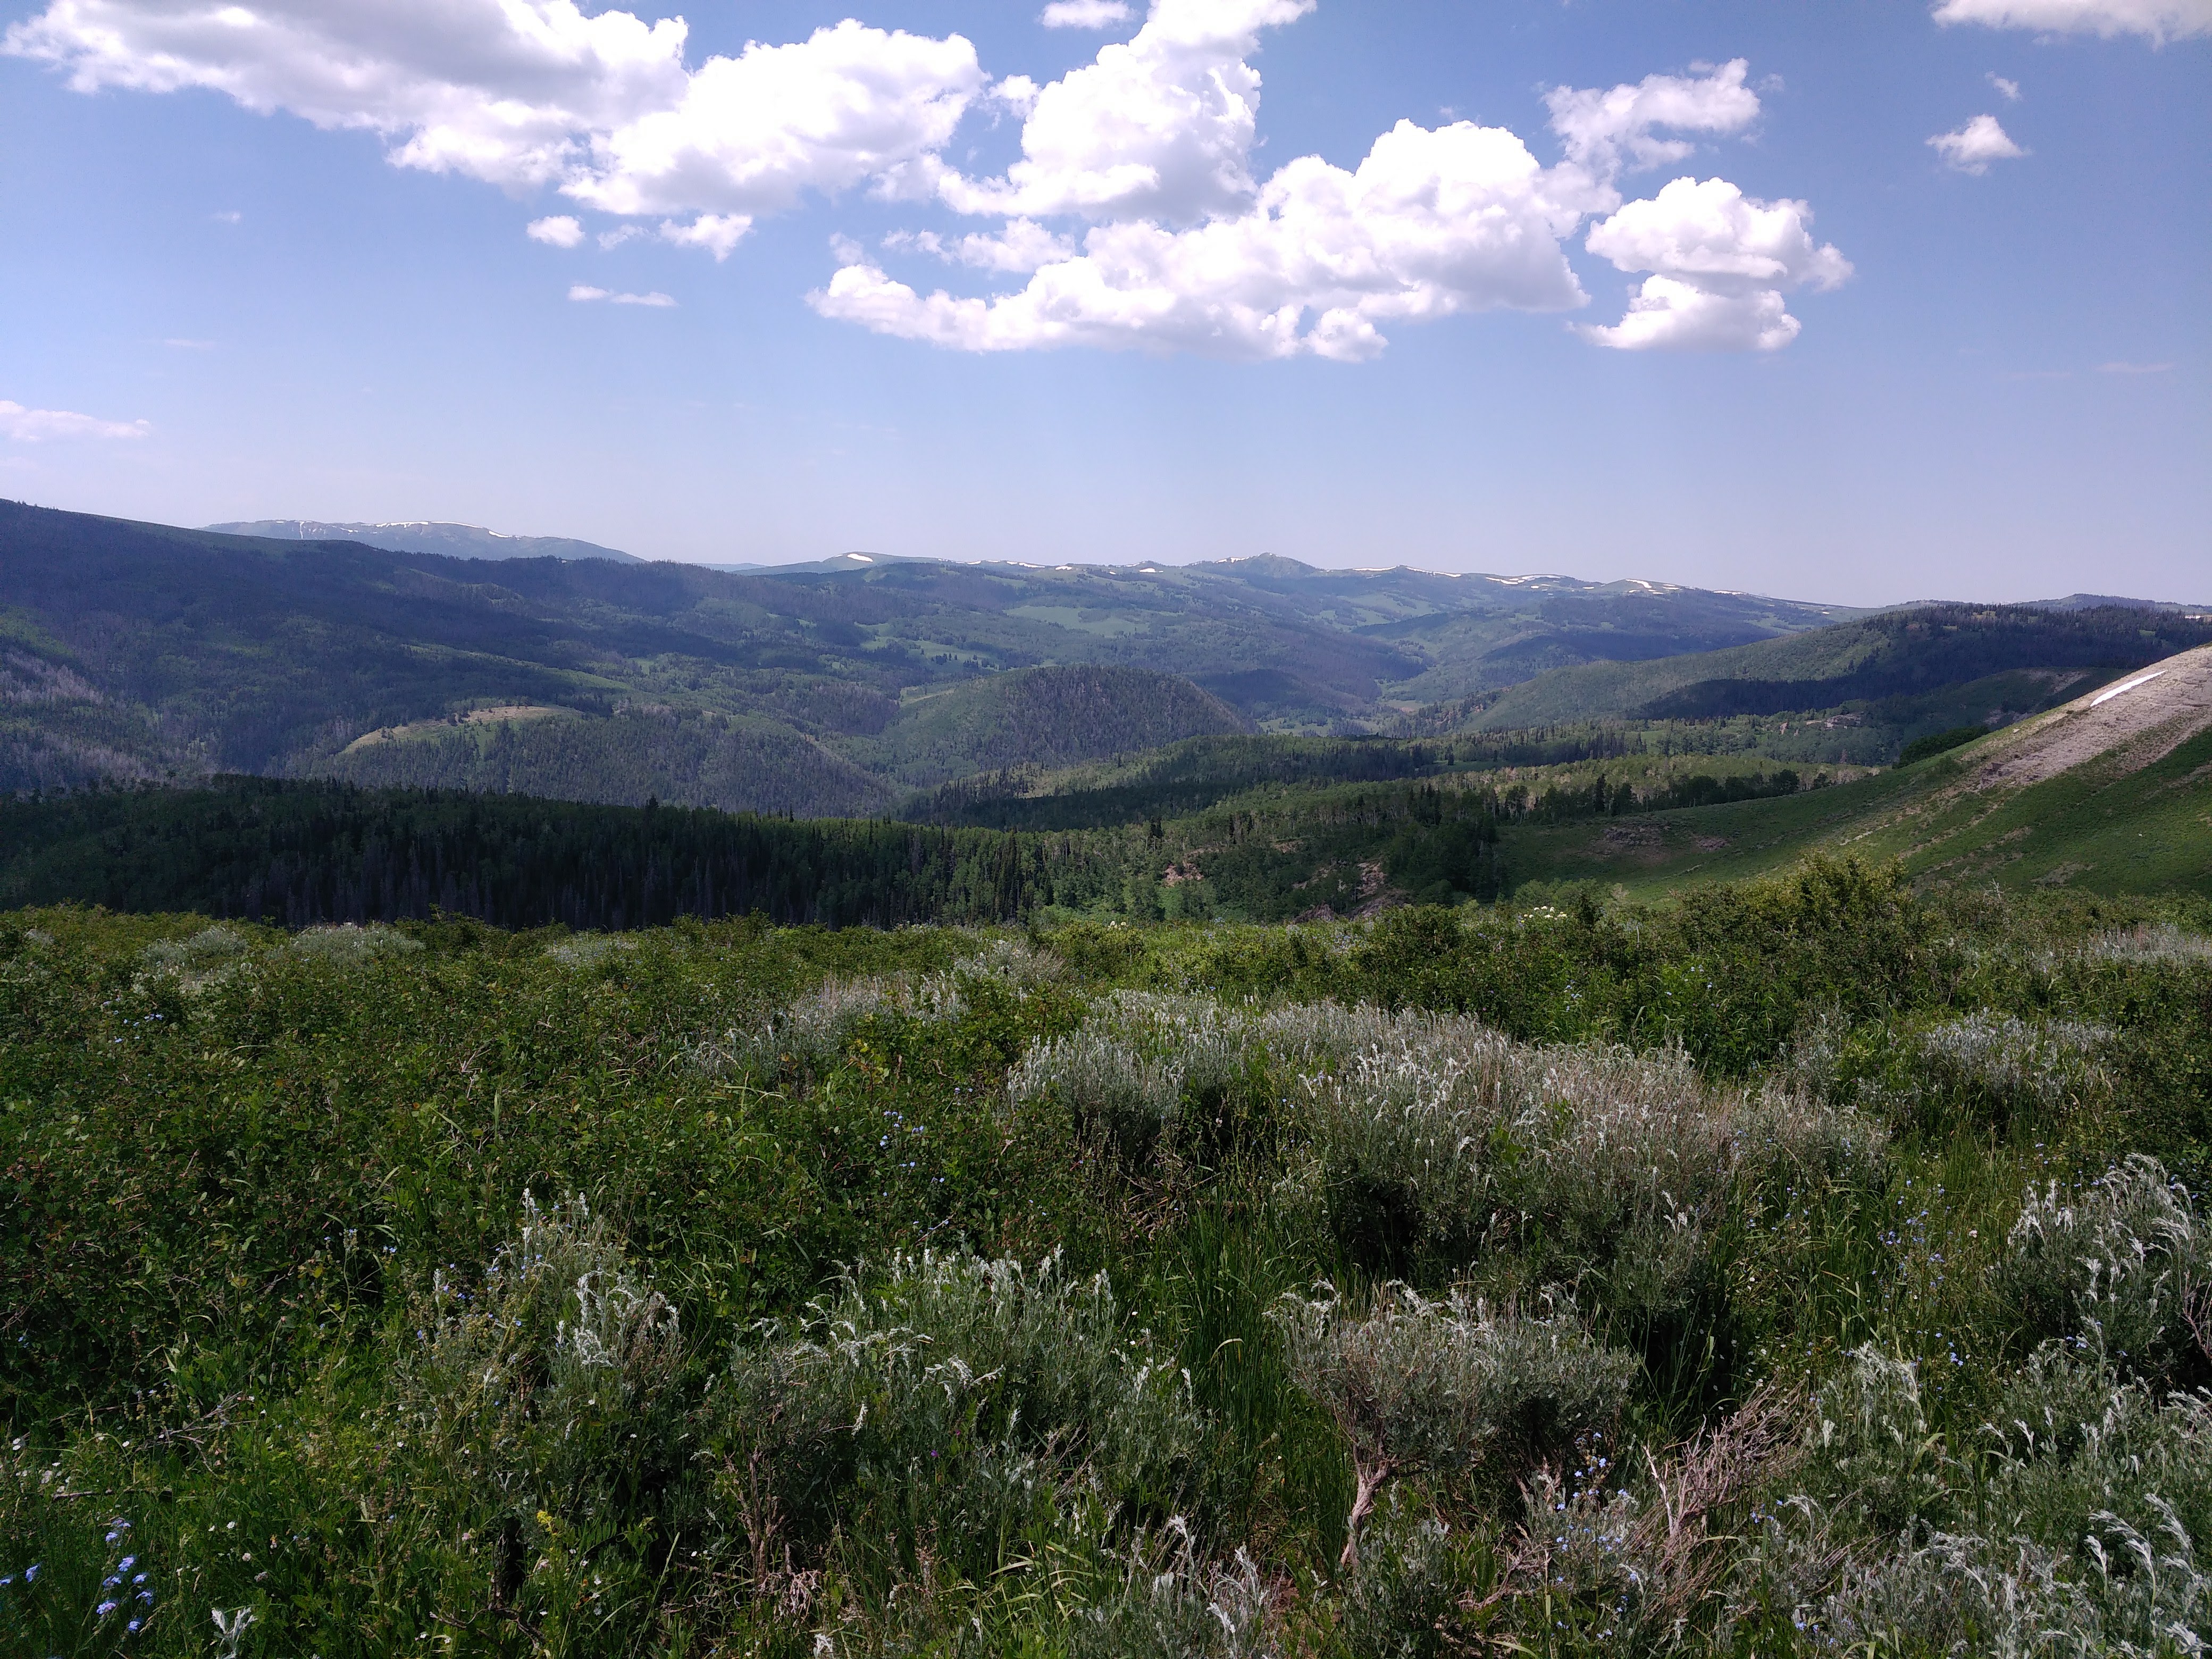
464 541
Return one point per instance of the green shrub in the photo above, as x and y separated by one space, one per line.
273 1294
547 1384
799 1043
2161 942
2017 1065
1984 1069
1439 1141
2072 1531
544 1404
349 946
1402 1598
1148 1067
1141 1064
2122 1269
1874 1437
193 961
1169 1602
952 1405
1447 1386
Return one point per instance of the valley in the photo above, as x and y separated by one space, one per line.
1240 741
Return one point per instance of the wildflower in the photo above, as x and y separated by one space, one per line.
107 1607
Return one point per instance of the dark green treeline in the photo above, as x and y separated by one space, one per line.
302 854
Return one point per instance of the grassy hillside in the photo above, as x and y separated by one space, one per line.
1476 651
1186 779
1172 781
2093 829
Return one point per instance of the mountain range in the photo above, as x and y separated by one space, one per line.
135 650
460 541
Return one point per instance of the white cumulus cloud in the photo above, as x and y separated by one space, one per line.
528 94
31 426
752 133
561 230
1084 14
718 233
2158 20
1605 130
1152 141
1669 314
1720 264
1023 245
2010 90
583 292
1134 213
1161 125
1432 224
1975 145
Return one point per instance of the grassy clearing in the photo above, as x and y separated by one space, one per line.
1798 1268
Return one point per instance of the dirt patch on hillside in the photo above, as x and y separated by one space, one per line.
2138 720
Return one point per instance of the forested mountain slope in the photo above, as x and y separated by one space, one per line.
692 756
1927 666
140 651
1043 717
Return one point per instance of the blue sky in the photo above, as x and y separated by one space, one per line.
279 263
